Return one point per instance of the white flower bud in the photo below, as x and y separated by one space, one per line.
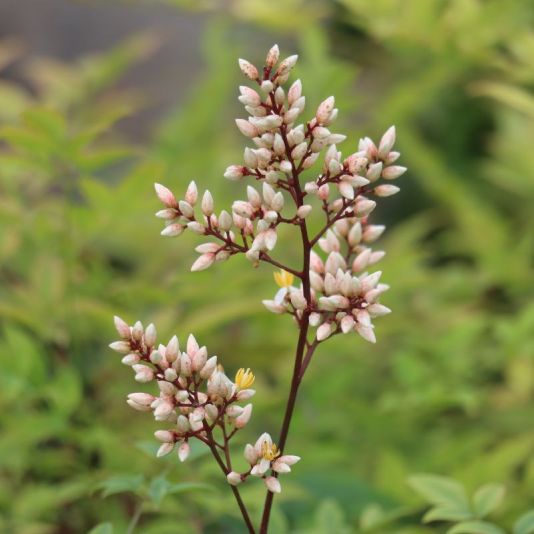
347 324
183 451
310 160
295 92
250 454
122 327
203 262
267 86
278 201
209 368
325 108
166 196
346 189
130 359
378 310
363 207
372 232
164 435
272 56
150 335
234 478
173 230
304 211
393 171
299 151
244 418
165 449
234 172
143 373
199 359
248 69
186 209
249 97
386 190
324 331
366 332
386 143
273 307
196 227
245 394
122 347
273 484
246 128
207 204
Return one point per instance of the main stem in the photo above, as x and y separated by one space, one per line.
302 340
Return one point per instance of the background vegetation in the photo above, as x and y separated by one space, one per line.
448 389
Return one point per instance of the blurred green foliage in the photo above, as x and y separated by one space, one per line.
449 388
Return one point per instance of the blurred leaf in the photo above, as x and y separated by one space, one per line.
441 491
102 528
488 498
121 484
525 524
476 527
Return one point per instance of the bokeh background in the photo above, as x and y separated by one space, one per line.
99 99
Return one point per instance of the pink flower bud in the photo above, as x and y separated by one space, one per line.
366 332
244 418
191 195
166 196
393 171
272 56
234 172
203 262
173 230
150 335
248 69
183 451
273 485
246 128
324 110
122 327
234 478
386 190
386 143
165 449
122 347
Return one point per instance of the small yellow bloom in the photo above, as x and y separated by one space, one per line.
244 378
283 278
269 451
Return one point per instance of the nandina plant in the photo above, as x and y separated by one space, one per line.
333 291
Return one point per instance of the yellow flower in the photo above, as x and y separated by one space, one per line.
269 451
283 278
244 378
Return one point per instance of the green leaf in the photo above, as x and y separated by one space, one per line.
121 484
487 498
443 513
441 491
102 528
525 524
476 527
183 487
158 489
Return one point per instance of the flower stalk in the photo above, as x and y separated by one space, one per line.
332 292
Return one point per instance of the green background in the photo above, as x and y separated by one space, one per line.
448 388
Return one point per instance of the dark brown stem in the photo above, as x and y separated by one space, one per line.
303 332
235 491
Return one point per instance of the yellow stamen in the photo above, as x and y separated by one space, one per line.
283 278
269 452
244 378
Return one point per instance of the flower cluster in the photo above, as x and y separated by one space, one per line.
195 396
194 393
264 456
299 171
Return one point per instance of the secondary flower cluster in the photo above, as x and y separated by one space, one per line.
195 396
264 456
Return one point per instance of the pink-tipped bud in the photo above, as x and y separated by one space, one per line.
246 128
122 327
248 69
191 195
393 171
386 190
386 143
234 478
166 196
272 56
244 418
234 172
203 262
325 108
273 485
183 451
